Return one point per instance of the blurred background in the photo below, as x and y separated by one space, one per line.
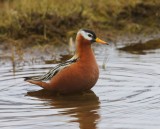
34 22
28 23
35 35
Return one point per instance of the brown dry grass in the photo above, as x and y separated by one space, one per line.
45 21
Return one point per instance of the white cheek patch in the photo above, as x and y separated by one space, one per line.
85 35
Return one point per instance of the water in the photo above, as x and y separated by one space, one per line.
126 96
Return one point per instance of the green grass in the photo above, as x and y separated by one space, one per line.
42 21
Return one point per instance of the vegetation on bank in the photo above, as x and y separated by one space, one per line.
53 21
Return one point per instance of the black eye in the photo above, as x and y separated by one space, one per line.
89 35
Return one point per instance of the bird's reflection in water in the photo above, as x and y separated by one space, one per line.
84 106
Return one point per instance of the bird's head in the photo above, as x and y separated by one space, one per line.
89 36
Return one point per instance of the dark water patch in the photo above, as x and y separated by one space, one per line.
140 48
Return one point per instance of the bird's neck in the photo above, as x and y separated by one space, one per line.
84 50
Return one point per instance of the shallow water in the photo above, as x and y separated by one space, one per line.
126 96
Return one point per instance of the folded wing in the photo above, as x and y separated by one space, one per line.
53 71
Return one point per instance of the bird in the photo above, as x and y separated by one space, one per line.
78 74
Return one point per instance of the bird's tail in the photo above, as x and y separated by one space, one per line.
39 83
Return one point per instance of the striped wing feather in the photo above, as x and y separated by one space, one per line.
52 72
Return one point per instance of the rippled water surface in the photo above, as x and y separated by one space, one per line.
126 96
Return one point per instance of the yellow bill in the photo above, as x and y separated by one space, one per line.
101 41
